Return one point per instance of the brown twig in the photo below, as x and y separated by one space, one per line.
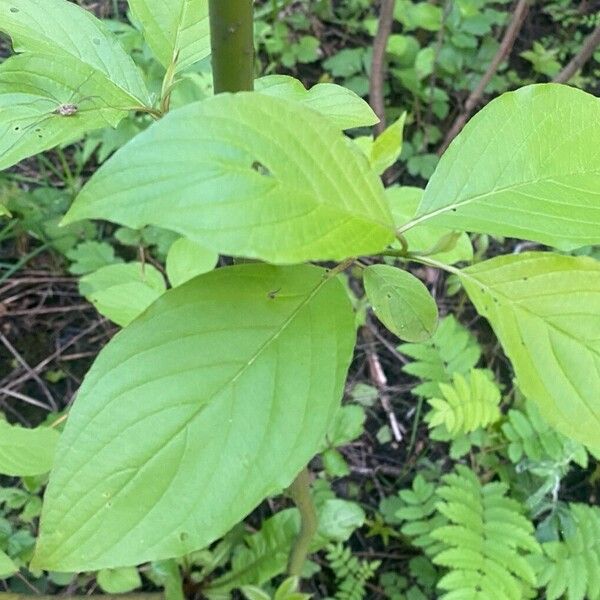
379 379
576 63
32 374
506 45
378 64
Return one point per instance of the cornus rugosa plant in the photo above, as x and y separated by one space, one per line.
220 392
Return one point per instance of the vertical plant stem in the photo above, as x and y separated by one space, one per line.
232 41
300 494
378 65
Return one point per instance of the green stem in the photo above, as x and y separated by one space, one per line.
232 41
300 494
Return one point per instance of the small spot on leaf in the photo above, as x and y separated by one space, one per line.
260 168
13 9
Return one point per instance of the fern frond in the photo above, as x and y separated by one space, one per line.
531 437
487 539
467 404
419 515
351 574
570 568
452 349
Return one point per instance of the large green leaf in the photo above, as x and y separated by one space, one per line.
213 399
246 175
176 31
526 166
25 452
64 31
401 302
342 106
545 309
34 87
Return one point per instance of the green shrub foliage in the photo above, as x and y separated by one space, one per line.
238 372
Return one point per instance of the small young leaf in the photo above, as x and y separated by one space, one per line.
247 175
119 581
177 31
236 373
340 105
90 256
338 519
7 566
401 302
187 259
545 310
387 147
25 452
526 166
252 592
122 292
404 202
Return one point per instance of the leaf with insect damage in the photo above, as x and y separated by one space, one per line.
177 31
246 175
211 400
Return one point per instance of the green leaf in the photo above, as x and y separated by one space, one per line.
452 349
25 452
347 425
545 310
63 31
467 404
262 555
571 567
338 519
34 87
176 31
246 175
90 256
252 592
421 15
425 238
236 374
7 566
387 147
334 463
187 259
119 581
401 302
342 106
122 292
488 540
527 166
4 212
68 81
